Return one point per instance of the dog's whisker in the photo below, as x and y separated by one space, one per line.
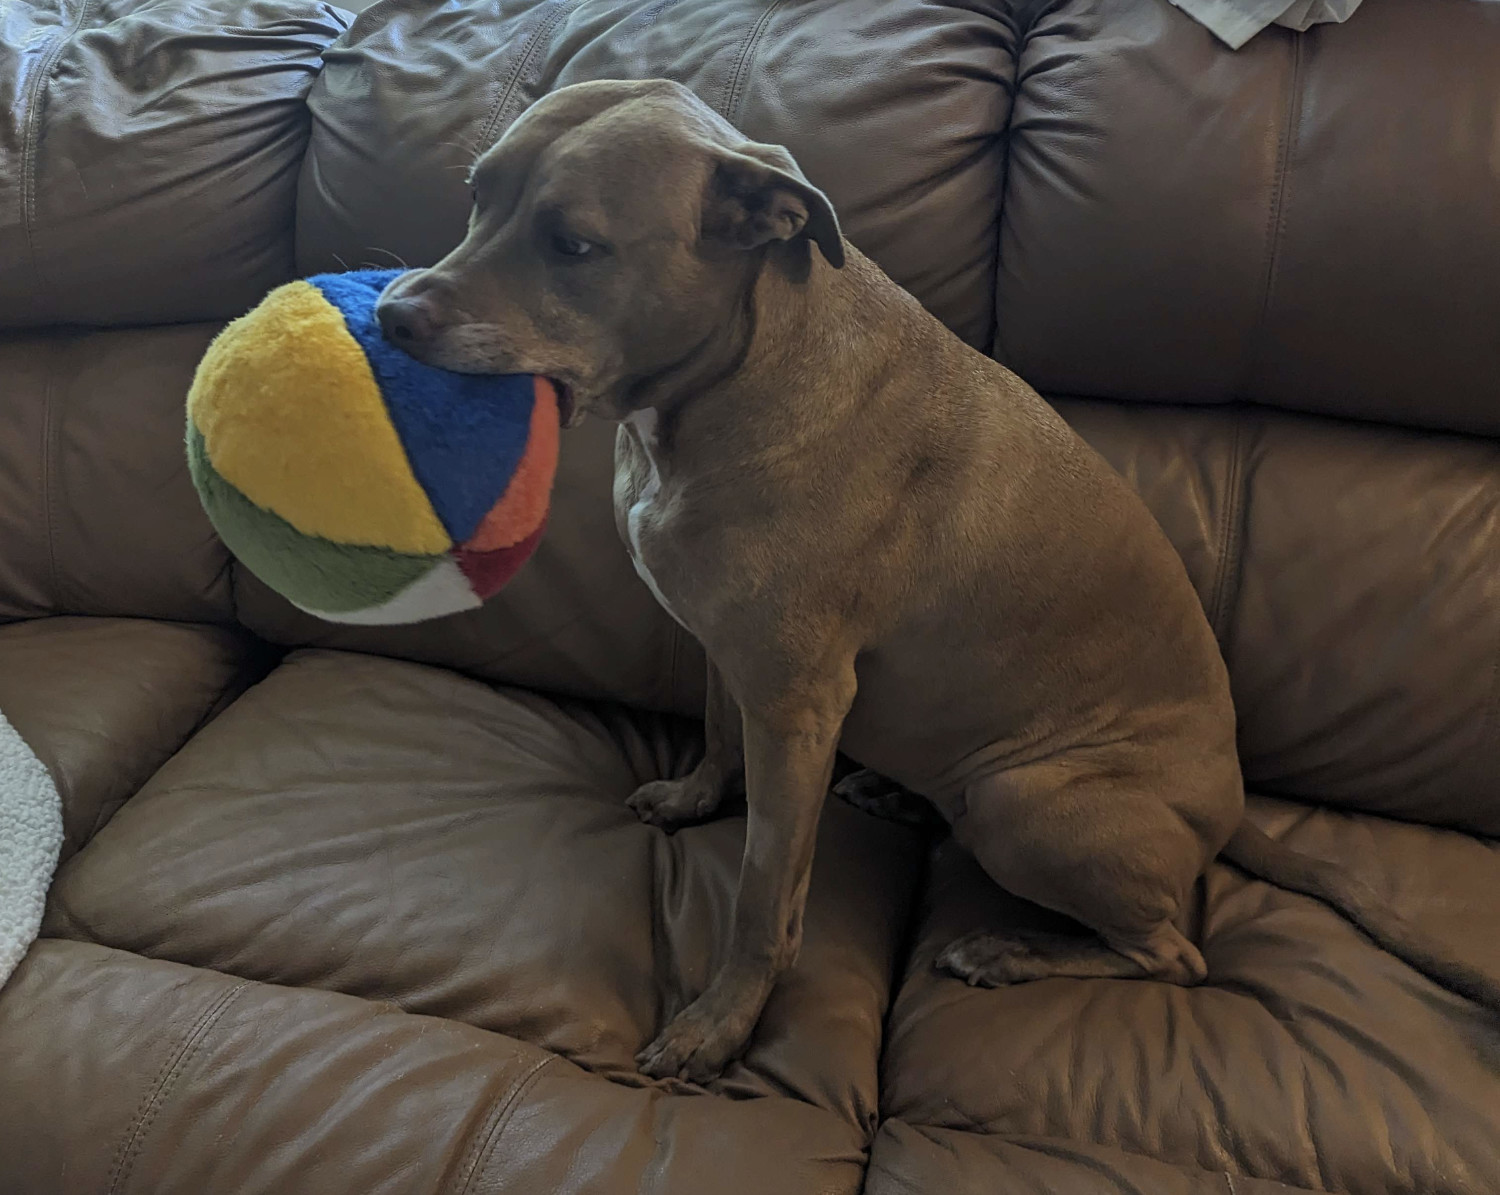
470 147
395 257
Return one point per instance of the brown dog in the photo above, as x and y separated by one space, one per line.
884 540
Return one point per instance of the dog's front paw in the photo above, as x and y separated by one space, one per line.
697 1044
673 803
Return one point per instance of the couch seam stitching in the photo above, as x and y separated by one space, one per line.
49 488
484 1142
1023 39
732 93
1230 535
560 9
160 1090
230 575
32 141
1276 216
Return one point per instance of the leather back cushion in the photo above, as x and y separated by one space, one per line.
1350 572
97 512
1352 575
895 109
1101 193
575 620
1308 222
1177 222
149 153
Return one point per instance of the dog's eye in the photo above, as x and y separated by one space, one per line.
571 246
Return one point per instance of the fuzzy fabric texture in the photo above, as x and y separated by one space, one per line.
360 484
292 417
317 574
464 434
522 510
489 571
31 831
443 589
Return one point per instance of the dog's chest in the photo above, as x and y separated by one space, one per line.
643 506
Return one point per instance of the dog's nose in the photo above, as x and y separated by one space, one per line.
406 322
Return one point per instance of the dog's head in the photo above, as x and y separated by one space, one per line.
617 230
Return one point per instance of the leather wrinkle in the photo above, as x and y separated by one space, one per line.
49 461
211 711
557 11
733 91
1231 535
1039 1143
1276 216
662 973
1492 738
675 657
485 1140
32 139
160 1090
1023 39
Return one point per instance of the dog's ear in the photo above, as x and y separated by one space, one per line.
757 195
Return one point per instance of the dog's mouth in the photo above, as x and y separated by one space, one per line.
568 414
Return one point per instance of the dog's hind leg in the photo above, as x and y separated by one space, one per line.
1096 846
991 959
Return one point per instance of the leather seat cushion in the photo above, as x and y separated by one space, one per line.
105 701
126 1074
400 833
1310 1057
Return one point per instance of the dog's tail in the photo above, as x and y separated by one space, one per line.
1252 850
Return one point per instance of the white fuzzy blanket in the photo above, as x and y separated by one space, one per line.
31 832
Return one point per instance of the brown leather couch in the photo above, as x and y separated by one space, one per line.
357 911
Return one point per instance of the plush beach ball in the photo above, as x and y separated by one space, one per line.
360 484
